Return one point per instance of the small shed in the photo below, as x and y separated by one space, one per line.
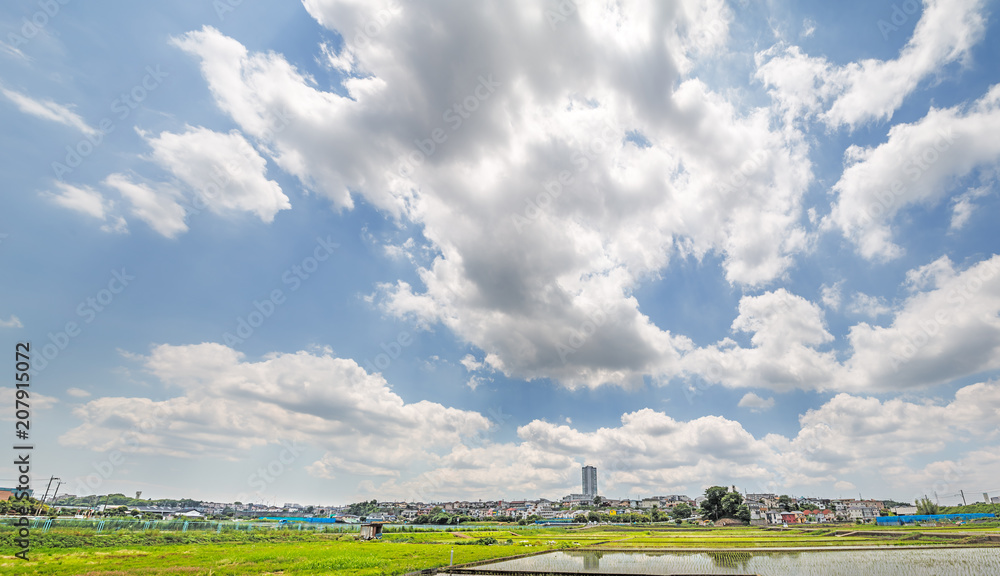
371 531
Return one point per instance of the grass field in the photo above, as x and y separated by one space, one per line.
292 552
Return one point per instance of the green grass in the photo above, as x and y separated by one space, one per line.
345 558
74 552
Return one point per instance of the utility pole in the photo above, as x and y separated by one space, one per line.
44 496
56 491
964 503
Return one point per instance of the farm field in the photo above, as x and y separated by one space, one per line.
69 552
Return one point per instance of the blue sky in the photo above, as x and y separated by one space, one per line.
482 245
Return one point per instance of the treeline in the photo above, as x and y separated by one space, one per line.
123 500
978 507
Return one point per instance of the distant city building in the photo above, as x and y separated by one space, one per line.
590 481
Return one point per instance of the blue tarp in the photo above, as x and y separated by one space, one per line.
906 519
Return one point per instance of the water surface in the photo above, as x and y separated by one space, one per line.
908 562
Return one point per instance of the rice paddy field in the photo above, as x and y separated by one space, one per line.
954 561
626 550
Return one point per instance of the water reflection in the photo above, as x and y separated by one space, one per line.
731 559
896 562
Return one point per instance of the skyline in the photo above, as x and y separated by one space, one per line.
337 250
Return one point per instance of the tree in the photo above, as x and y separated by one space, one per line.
721 503
598 500
581 518
593 516
785 503
711 507
657 515
682 511
742 513
925 506
731 503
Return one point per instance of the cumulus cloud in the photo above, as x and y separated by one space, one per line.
13 322
158 205
222 169
965 205
527 177
653 452
948 328
424 450
755 403
870 90
226 402
831 295
787 334
919 164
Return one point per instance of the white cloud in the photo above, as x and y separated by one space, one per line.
808 28
867 305
475 381
965 206
423 450
755 403
714 179
158 206
948 328
38 401
787 332
846 436
918 164
227 404
14 322
12 50
77 392
831 295
48 110
470 363
86 200
872 89
223 170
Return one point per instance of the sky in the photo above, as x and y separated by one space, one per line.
334 250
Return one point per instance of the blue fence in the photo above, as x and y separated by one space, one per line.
907 519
